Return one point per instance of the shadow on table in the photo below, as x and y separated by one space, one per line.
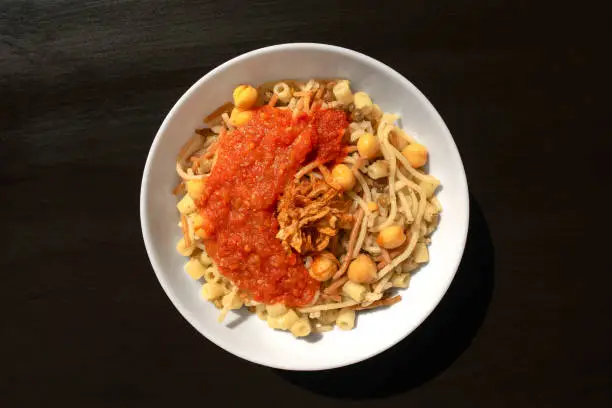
434 345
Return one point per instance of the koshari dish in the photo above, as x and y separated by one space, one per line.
305 203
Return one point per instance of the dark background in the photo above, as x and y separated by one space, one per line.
84 85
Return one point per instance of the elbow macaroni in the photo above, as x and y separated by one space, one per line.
284 321
301 328
195 269
184 250
276 309
342 92
211 291
329 316
212 275
186 205
428 188
283 91
261 312
363 102
434 224
346 319
354 290
430 212
376 113
421 253
401 280
195 188
378 169
232 301
205 259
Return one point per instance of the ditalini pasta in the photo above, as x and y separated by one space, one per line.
305 203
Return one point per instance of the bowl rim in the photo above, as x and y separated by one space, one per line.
144 193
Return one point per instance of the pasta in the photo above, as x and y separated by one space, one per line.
205 259
284 321
363 103
195 269
346 319
261 312
354 291
328 316
401 280
212 275
283 92
211 291
343 93
231 301
275 310
339 219
301 328
183 249
186 205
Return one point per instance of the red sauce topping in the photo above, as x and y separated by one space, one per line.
254 164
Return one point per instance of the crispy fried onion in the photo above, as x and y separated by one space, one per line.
310 213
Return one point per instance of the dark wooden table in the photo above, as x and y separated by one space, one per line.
84 86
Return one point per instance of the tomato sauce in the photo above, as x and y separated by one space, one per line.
254 164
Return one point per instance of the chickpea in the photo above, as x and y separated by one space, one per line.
368 146
344 176
372 206
323 267
239 117
416 154
391 237
362 269
195 188
245 96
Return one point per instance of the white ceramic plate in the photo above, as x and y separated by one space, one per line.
243 334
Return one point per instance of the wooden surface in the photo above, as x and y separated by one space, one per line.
84 85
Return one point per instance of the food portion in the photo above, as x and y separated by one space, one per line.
310 213
305 203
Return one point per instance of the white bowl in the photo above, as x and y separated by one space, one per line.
243 334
